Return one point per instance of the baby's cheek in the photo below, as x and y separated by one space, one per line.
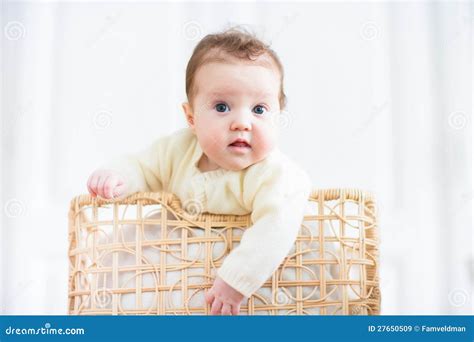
266 141
211 145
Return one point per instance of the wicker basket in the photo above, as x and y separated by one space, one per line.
147 255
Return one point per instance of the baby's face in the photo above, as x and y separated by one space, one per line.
235 101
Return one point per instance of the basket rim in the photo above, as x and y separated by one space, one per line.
173 202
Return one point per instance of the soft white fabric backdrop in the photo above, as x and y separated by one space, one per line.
380 98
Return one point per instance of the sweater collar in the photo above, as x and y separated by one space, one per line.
197 154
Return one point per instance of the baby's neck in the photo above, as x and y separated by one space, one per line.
204 165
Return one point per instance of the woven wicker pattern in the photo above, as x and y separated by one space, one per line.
147 255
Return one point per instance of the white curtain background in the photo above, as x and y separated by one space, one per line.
380 98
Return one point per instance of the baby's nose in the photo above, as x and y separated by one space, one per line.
241 121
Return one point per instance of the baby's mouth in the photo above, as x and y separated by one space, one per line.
240 144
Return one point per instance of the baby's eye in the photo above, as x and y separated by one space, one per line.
259 109
221 107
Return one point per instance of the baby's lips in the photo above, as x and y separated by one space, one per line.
240 145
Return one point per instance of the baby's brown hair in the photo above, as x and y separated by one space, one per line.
235 42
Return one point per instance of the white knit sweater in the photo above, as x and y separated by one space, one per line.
274 191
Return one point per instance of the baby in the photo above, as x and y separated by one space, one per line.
227 160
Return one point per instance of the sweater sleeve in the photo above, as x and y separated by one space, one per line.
277 212
146 170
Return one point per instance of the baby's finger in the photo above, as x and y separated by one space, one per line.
119 190
226 309
209 297
235 309
92 192
109 186
100 186
216 307
93 183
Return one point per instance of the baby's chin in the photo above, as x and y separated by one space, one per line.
242 164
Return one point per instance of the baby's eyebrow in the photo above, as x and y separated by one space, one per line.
220 93
232 92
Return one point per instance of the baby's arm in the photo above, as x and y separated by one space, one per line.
144 171
278 209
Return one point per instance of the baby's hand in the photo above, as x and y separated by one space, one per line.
225 300
106 183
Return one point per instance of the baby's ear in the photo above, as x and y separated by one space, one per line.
188 113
